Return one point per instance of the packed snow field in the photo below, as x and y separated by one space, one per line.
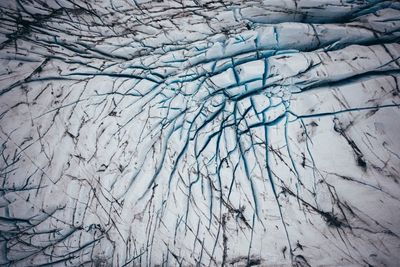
209 133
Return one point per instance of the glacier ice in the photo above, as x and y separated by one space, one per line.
207 133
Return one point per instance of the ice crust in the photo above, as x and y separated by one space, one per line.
209 133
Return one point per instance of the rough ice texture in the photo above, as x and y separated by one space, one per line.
144 133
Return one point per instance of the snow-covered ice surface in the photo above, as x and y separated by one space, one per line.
210 133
